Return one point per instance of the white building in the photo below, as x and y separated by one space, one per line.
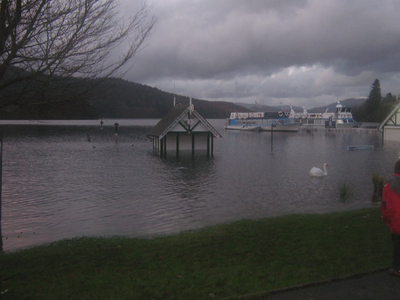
390 127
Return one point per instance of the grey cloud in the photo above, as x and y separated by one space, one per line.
214 48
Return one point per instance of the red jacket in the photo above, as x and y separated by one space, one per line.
390 207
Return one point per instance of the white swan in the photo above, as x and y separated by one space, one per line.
318 172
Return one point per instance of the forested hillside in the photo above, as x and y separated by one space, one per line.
112 98
117 98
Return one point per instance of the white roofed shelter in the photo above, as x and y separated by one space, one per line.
183 129
390 127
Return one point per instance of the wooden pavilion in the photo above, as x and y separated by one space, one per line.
183 129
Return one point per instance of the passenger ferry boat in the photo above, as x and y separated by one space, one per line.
334 117
263 121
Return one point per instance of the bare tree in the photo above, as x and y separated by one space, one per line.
46 44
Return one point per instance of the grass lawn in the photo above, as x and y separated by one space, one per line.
224 261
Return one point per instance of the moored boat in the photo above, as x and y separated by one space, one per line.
264 121
360 147
334 117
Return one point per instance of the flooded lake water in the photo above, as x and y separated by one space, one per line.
69 178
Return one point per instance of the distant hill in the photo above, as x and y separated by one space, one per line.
112 98
351 102
260 107
117 98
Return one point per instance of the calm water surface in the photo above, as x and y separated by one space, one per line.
73 179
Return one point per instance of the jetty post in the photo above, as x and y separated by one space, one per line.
116 132
272 136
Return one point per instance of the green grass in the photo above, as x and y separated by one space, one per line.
224 261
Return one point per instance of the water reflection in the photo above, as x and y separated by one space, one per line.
57 184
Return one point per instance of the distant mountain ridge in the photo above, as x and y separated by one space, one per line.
115 98
351 102
118 98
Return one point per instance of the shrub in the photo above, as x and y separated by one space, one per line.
379 182
345 191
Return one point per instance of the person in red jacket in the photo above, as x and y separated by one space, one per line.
390 210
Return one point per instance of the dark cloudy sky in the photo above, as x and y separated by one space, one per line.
299 52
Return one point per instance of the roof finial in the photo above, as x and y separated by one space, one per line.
191 106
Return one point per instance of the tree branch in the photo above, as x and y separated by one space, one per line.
44 43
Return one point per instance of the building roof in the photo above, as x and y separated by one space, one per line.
176 114
389 117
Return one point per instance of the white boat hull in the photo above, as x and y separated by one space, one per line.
321 123
250 128
287 127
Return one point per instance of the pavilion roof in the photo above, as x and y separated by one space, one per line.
176 114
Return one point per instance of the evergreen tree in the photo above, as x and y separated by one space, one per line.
389 98
374 102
